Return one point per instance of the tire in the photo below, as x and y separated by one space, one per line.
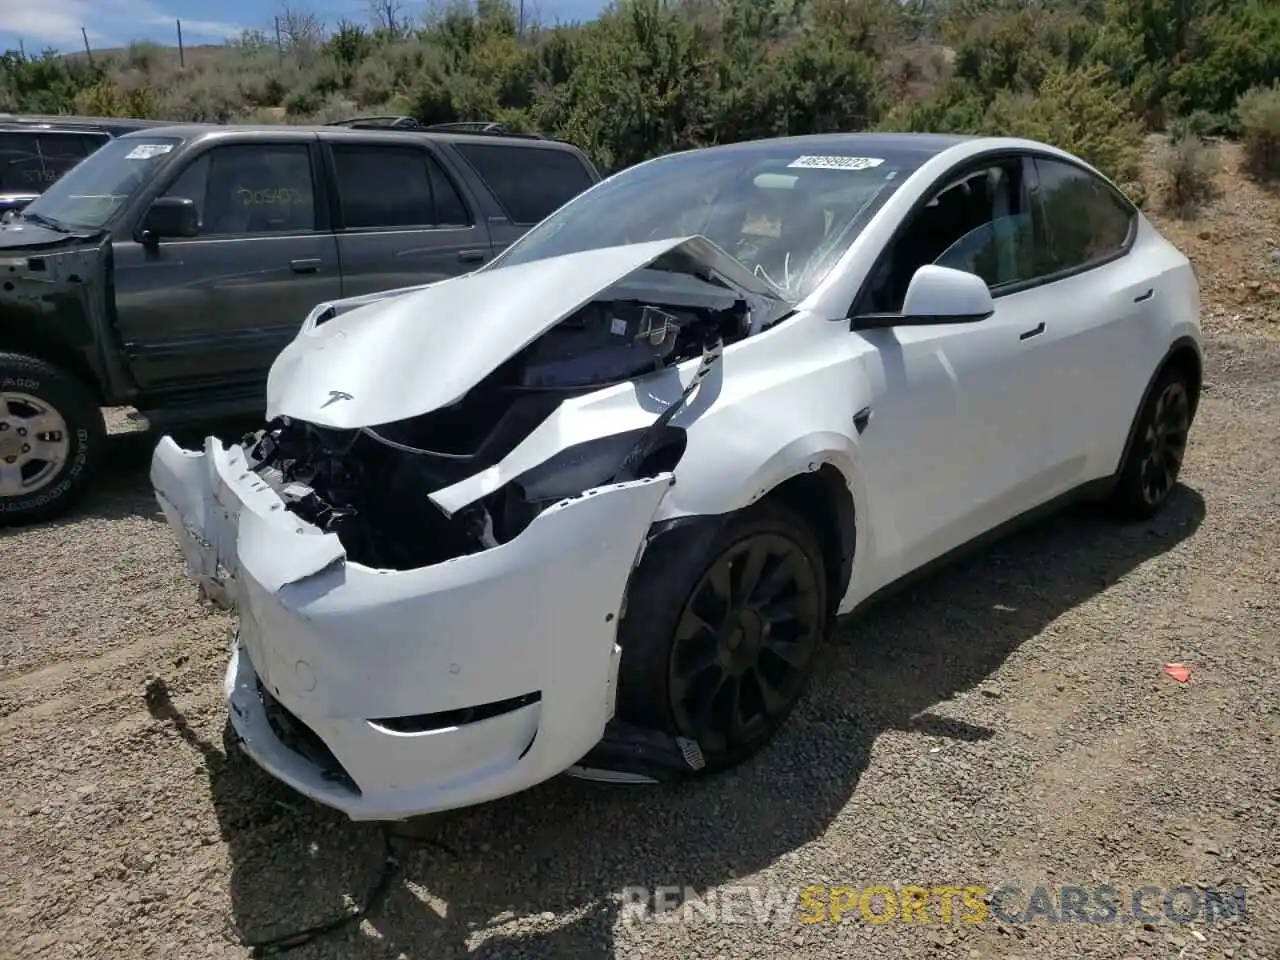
44 489
674 577
1151 466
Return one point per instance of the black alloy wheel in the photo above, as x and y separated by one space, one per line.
744 643
1164 443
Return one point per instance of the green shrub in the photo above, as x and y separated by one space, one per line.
103 99
147 56
1202 124
205 98
651 76
1259 113
1190 168
303 101
1081 111
375 82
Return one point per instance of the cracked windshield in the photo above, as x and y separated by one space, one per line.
784 214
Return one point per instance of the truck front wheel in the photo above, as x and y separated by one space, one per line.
51 438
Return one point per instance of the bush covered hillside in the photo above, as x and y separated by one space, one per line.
652 76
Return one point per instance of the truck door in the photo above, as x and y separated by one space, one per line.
403 221
220 306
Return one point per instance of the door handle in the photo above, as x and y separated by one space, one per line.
1144 297
1033 332
472 256
305 266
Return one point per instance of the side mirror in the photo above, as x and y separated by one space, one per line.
937 295
170 217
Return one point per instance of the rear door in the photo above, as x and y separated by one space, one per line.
529 180
402 219
221 306
1099 348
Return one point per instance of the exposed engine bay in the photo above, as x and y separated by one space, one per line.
370 485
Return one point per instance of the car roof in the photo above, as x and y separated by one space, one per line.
923 145
15 122
193 131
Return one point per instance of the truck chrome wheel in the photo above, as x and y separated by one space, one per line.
34 444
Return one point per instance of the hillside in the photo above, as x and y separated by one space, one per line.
197 58
1233 240
651 76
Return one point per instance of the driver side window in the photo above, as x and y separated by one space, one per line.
978 222
250 188
1000 251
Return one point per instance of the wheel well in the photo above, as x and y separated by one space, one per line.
822 499
19 339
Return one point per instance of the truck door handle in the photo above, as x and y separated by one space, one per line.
305 266
472 256
1144 297
1033 332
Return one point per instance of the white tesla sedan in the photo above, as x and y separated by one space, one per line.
593 507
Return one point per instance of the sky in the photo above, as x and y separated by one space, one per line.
113 23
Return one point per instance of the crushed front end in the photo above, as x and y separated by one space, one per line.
428 584
388 693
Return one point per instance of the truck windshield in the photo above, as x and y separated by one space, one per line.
89 194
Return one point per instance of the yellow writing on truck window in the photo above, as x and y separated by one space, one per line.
271 197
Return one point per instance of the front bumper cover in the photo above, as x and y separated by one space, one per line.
366 661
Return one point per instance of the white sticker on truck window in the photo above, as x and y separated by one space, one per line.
145 151
836 163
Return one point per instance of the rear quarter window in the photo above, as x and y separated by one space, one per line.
528 182
1084 220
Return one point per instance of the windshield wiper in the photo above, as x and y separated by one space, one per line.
44 221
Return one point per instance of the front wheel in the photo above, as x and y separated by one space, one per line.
720 634
51 435
1150 470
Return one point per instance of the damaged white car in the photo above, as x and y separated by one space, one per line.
593 507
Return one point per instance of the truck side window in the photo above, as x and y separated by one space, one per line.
29 162
529 182
250 188
387 186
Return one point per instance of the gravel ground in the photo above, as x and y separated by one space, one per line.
1008 722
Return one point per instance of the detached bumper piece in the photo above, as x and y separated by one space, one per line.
631 754
389 694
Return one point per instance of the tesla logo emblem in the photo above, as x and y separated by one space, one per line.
335 396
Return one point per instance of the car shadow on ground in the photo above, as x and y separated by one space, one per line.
561 852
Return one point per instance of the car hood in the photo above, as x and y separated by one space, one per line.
25 235
14 201
374 360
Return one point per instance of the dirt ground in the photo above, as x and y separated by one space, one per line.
1008 722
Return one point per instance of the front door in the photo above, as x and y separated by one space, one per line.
404 221
221 306
952 447
1098 345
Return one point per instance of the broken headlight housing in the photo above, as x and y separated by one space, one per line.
600 344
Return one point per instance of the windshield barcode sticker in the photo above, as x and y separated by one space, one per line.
145 151
836 163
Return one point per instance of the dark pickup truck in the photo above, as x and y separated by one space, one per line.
36 150
169 268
